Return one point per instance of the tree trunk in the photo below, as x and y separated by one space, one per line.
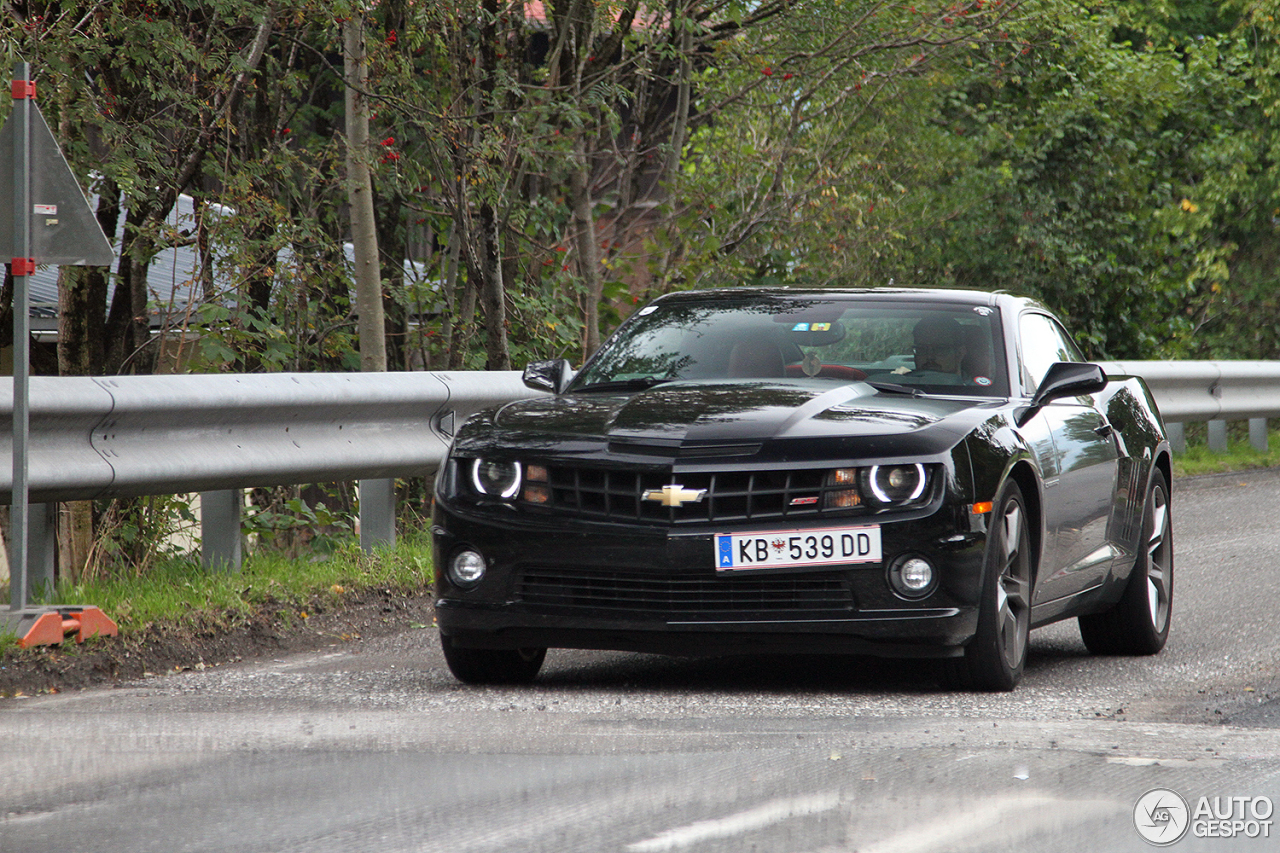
364 235
393 245
128 324
82 300
75 538
492 292
585 238
453 297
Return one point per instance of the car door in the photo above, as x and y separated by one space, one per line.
1080 483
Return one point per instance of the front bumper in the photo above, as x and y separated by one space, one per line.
655 589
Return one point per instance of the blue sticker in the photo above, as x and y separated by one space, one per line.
800 327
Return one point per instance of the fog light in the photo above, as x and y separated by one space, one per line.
912 576
467 568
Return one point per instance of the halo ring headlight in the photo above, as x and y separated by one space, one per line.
496 478
896 484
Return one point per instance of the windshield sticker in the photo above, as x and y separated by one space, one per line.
800 327
982 311
819 327
981 380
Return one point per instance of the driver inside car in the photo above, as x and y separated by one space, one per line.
939 346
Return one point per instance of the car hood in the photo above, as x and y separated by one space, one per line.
692 413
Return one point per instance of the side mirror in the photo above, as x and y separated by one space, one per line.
1069 379
552 376
1065 379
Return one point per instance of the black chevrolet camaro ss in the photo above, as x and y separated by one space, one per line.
892 472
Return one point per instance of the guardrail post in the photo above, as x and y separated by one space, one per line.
1218 436
377 514
220 539
1258 434
1177 436
42 548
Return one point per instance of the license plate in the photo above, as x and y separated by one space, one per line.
778 548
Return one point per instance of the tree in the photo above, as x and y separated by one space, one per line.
799 135
1099 158
364 234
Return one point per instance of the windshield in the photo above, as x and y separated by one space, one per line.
909 346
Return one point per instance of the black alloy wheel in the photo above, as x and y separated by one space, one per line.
997 654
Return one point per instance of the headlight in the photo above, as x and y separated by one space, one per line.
495 478
893 484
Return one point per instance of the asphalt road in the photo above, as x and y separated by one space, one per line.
373 746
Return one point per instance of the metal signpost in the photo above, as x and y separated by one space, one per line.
46 220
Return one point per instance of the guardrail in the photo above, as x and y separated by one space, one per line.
217 434
1212 391
139 435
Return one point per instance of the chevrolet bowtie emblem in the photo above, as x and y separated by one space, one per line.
675 495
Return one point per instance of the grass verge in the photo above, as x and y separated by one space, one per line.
1240 455
182 594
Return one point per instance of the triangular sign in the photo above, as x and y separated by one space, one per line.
63 227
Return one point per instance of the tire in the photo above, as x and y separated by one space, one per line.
995 657
1139 622
492 666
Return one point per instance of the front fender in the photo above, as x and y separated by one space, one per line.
996 447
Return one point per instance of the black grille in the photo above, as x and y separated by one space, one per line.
620 495
580 590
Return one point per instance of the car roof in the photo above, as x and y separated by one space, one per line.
922 294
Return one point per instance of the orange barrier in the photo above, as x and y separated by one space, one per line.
56 625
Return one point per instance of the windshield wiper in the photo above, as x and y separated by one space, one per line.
894 388
639 383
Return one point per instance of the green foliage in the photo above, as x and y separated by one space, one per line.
1080 154
296 514
1114 159
1111 160
137 533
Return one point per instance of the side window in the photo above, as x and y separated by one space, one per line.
1044 343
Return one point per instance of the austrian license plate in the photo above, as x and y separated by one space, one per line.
780 548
